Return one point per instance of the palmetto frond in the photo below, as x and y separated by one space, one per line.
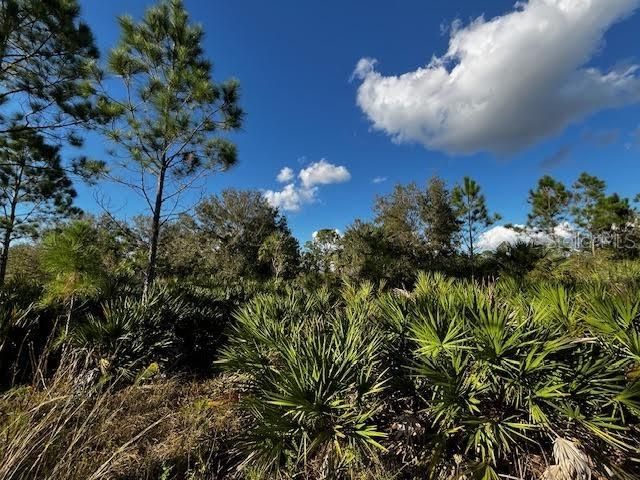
316 377
616 317
499 376
130 332
484 377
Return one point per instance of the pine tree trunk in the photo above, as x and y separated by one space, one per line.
8 230
4 256
472 255
470 226
155 234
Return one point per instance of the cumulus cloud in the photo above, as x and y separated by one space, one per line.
504 83
294 195
290 198
379 180
495 236
323 173
285 175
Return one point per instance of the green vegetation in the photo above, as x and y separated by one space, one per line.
471 210
450 377
33 187
534 378
201 342
166 122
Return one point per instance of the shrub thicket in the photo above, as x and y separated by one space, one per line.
450 379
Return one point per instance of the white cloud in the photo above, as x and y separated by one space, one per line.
505 83
285 175
379 180
290 198
293 195
495 236
323 173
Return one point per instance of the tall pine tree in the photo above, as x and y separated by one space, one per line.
471 209
588 194
168 123
549 205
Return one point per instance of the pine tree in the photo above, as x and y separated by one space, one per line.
549 205
167 125
588 193
438 216
33 187
613 215
73 259
48 61
471 210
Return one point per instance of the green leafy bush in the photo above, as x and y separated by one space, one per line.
453 379
503 381
130 333
315 377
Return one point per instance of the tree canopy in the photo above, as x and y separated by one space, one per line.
47 70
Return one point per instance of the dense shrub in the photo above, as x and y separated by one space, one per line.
26 329
527 377
315 376
131 333
451 379
503 380
176 328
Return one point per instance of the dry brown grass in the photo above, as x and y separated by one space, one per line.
163 429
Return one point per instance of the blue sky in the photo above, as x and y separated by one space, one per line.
295 62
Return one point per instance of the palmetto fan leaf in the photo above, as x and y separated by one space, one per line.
437 333
474 379
499 376
616 317
316 378
130 333
553 305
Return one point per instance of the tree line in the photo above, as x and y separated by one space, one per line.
166 118
237 235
